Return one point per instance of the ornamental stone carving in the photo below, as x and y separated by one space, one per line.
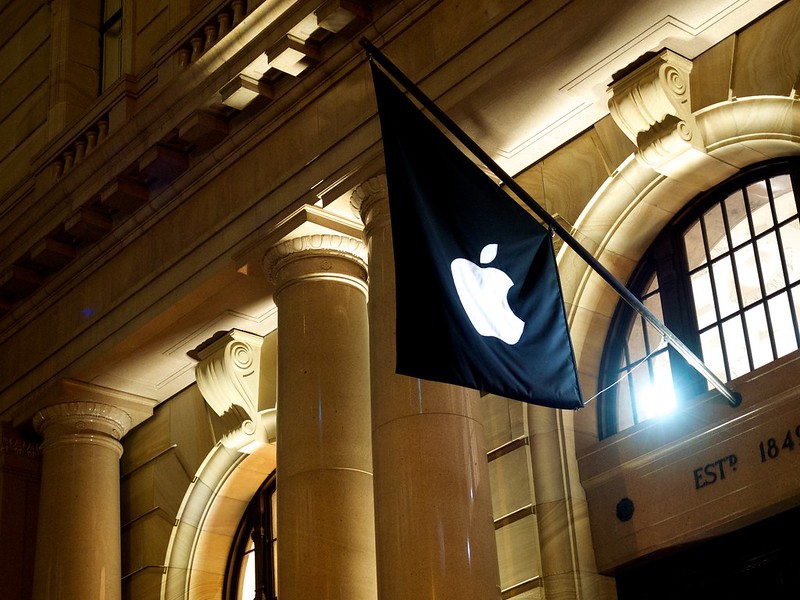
14 443
82 422
370 201
228 376
327 256
652 106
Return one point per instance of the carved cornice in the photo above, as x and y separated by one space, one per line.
652 105
228 377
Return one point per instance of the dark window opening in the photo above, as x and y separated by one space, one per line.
110 43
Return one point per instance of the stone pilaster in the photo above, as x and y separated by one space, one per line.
433 517
325 516
567 555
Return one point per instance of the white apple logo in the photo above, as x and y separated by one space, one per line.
483 292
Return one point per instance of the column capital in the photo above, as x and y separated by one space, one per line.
319 256
370 200
82 422
77 408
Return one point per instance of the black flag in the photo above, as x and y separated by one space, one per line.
478 297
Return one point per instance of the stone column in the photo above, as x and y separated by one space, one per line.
568 564
326 535
78 542
433 514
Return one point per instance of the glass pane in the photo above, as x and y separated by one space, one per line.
771 265
737 218
749 282
275 568
795 300
703 298
735 348
641 390
712 353
112 54
758 334
759 206
624 406
783 197
790 239
636 347
653 303
110 7
715 231
652 287
247 581
274 514
725 287
693 243
782 325
657 397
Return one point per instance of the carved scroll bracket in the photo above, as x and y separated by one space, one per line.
228 376
652 106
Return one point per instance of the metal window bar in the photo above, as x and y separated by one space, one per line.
650 353
107 23
761 283
784 265
628 370
735 272
794 181
787 286
713 283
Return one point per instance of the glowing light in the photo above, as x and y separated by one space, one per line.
656 399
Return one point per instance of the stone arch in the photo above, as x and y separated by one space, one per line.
207 521
627 212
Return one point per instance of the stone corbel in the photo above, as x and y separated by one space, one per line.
228 377
652 106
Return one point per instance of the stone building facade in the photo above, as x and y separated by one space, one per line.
197 303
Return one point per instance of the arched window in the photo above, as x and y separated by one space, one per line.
724 276
251 572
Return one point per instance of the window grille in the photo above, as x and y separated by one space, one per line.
724 276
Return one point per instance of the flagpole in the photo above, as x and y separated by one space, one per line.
733 397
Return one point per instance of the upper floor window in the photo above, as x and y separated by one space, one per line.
110 43
724 276
252 566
